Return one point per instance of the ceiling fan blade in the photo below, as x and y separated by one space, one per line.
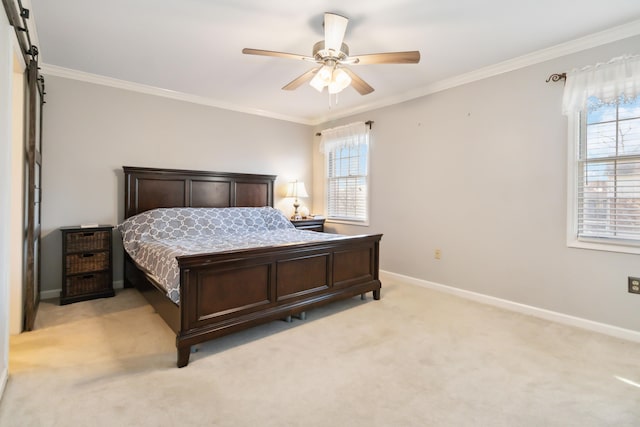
248 51
298 81
334 28
411 57
358 84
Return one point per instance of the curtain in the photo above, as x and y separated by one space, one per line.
350 135
606 82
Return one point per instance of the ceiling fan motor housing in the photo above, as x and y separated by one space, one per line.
321 54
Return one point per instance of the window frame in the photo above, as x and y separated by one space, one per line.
327 194
576 134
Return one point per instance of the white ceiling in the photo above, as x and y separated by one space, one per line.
193 47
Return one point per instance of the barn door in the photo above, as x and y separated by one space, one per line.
33 178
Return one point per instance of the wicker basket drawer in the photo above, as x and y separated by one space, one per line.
88 241
87 261
87 284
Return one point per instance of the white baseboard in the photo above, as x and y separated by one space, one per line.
4 376
50 294
55 293
553 316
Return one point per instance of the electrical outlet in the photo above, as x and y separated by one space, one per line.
634 285
437 254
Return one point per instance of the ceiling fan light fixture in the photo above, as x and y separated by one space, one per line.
340 81
322 78
317 83
325 74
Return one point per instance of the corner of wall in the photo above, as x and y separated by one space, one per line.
5 180
4 377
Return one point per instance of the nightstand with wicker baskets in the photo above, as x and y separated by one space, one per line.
86 263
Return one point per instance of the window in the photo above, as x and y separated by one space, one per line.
346 151
604 158
608 167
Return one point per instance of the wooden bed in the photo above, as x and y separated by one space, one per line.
230 291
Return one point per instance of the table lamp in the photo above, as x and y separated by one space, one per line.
296 189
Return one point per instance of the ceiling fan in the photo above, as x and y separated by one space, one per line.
331 55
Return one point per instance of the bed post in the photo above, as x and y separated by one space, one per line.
376 269
183 355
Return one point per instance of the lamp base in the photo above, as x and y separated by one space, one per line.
296 214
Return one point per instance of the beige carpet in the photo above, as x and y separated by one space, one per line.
415 358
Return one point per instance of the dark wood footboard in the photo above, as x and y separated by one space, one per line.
224 293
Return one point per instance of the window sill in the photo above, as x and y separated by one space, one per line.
600 246
347 222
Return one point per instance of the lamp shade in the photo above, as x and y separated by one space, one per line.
322 78
332 77
339 81
297 189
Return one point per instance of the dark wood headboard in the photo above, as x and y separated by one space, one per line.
150 188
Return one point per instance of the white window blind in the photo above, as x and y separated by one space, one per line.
609 171
346 151
603 105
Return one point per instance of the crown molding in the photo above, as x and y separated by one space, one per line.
54 70
611 35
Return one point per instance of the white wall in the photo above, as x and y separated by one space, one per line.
91 131
16 232
479 171
6 52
